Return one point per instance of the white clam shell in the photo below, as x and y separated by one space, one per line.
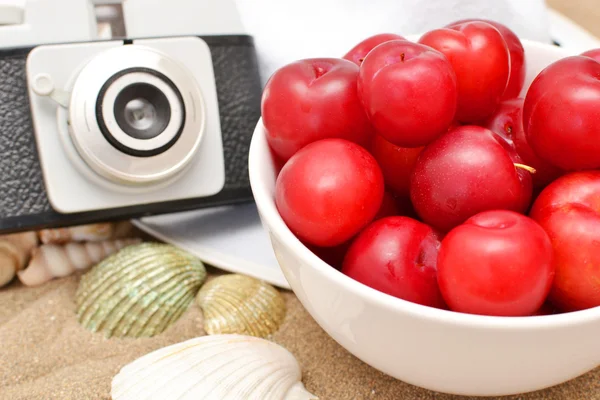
215 367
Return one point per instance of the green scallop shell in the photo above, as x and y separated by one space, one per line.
139 291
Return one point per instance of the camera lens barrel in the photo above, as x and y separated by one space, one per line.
140 112
136 116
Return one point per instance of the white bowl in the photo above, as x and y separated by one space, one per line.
434 349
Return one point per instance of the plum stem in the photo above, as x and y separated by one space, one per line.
525 167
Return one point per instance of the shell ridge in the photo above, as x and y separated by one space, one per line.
251 321
127 258
222 386
167 351
287 385
100 286
124 254
237 303
286 372
181 307
130 376
262 318
211 367
140 290
276 297
123 298
249 318
157 310
211 307
273 356
259 388
198 364
166 362
88 319
223 313
113 318
153 291
287 366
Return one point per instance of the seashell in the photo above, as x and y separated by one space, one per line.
138 291
51 261
122 229
241 304
86 233
219 367
15 251
9 262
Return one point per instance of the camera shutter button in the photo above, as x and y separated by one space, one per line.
43 85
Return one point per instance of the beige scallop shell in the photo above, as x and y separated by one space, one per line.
241 304
139 291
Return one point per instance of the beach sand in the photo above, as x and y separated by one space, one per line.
46 355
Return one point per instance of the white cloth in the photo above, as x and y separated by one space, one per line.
287 30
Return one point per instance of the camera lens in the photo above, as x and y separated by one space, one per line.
136 115
142 111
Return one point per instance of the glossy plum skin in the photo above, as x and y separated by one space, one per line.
358 53
396 163
569 210
517 57
507 121
561 114
594 53
397 256
497 263
408 91
334 256
328 191
468 170
480 58
313 99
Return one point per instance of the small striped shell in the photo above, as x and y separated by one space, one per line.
139 291
87 233
219 367
241 304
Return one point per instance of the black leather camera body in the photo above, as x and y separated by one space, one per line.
122 129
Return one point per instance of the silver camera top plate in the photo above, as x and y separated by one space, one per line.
75 183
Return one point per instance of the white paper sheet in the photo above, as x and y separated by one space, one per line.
230 238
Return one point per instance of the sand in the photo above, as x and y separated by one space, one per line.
584 12
45 354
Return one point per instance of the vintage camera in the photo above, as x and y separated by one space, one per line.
124 127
